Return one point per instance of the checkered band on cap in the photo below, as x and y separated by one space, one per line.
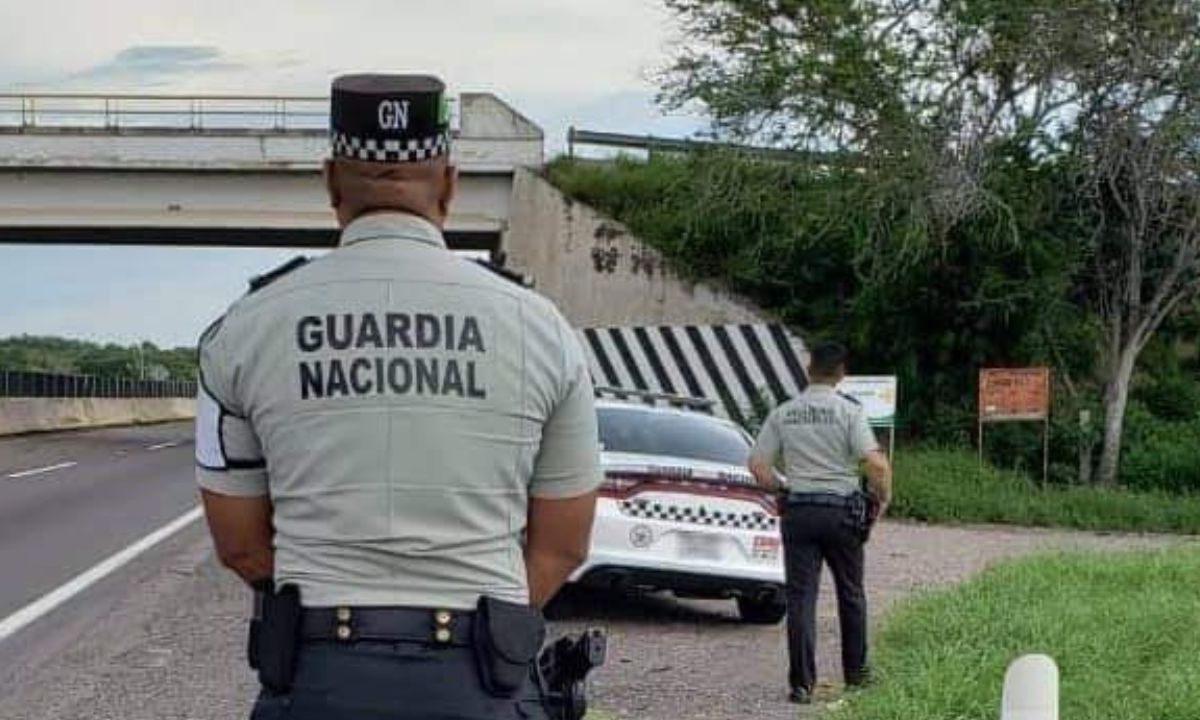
389 118
377 150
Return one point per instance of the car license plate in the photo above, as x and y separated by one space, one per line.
700 546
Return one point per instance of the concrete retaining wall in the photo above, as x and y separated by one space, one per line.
598 273
24 415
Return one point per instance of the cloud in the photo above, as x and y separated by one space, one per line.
575 50
157 65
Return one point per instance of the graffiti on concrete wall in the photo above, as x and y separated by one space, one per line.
607 255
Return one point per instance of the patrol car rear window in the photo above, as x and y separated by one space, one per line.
681 436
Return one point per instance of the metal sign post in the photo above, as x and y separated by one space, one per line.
1016 395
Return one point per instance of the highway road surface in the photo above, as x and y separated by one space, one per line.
70 500
108 579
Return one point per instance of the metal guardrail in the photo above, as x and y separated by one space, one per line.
194 113
652 144
14 384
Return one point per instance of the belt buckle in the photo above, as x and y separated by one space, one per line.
443 627
344 628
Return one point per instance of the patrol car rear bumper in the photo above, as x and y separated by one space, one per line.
670 555
682 584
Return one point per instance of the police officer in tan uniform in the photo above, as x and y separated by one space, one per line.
397 447
825 444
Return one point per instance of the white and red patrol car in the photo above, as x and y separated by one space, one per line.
679 511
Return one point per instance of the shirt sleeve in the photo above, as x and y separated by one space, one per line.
568 460
229 457
768 444
862 437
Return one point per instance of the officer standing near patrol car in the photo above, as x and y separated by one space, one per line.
396 447
825 442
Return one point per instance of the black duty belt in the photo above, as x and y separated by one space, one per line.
819 500
388 624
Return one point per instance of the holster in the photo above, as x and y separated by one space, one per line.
863 508
506 638
274 637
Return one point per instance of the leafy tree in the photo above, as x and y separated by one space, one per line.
938 110
795 239
1138 166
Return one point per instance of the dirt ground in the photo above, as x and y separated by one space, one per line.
671 659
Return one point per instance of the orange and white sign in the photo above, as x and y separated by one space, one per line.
1014 394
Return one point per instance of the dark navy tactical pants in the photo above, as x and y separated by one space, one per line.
391 681
812 535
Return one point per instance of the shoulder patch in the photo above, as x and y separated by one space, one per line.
847 398
509 275
258 282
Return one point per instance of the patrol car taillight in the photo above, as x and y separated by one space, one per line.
618 483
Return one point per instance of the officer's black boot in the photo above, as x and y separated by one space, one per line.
859 679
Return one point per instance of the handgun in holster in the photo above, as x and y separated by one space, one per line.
863 511
274 637
562 671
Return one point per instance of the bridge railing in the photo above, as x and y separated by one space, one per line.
182 113
172 112
577 138
16 384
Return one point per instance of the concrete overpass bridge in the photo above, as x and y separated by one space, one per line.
244 171
218 169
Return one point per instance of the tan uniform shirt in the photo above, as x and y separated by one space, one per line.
399 405
823 437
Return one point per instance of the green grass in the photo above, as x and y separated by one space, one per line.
1123 629
948 486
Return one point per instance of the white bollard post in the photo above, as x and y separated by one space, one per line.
1030 689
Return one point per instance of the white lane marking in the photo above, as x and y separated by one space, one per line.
39 471
51 600
160 446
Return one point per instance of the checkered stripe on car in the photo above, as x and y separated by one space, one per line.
698 515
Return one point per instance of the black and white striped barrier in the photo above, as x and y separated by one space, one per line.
734 366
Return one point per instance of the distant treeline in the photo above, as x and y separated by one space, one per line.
32 353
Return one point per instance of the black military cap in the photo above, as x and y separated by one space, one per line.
389 118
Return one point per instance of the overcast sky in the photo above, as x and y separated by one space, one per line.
560 62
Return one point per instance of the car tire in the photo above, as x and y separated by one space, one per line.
769 611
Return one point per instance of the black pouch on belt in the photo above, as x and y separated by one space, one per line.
507 638
275 635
